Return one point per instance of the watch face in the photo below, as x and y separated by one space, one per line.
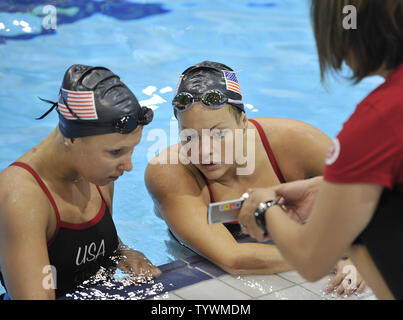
262 207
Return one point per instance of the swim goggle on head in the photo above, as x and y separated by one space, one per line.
213 84
125 124
213 99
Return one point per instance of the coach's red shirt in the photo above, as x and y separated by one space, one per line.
369 149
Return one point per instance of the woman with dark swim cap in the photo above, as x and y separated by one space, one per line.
56 200
209 98
356 208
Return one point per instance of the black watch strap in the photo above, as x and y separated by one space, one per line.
260 214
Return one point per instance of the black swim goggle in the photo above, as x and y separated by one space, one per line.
125 124
130 122
213 99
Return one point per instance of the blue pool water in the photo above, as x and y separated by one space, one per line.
149 44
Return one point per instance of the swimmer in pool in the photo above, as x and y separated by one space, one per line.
209 97
56 200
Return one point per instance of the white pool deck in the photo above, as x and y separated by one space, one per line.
282 286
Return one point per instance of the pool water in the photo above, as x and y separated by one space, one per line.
148 44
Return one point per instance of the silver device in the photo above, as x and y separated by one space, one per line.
225 211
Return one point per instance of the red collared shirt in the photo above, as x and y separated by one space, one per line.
369 149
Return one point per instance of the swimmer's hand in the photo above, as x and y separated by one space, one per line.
347 280
134 262
298 197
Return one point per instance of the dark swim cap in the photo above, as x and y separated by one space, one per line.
93 101
208 75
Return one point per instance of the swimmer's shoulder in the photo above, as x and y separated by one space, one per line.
282 127
166 174
22 200
282 132
292 143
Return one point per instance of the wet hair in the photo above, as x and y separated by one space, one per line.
376 42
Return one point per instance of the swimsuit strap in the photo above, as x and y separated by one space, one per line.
50 197
100 193
47 192
41 184
269 151
104 204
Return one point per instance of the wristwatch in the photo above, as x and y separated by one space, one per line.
260 214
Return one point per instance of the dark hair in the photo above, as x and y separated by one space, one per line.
376 42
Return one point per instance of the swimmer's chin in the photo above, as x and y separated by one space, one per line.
106 181
103 183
